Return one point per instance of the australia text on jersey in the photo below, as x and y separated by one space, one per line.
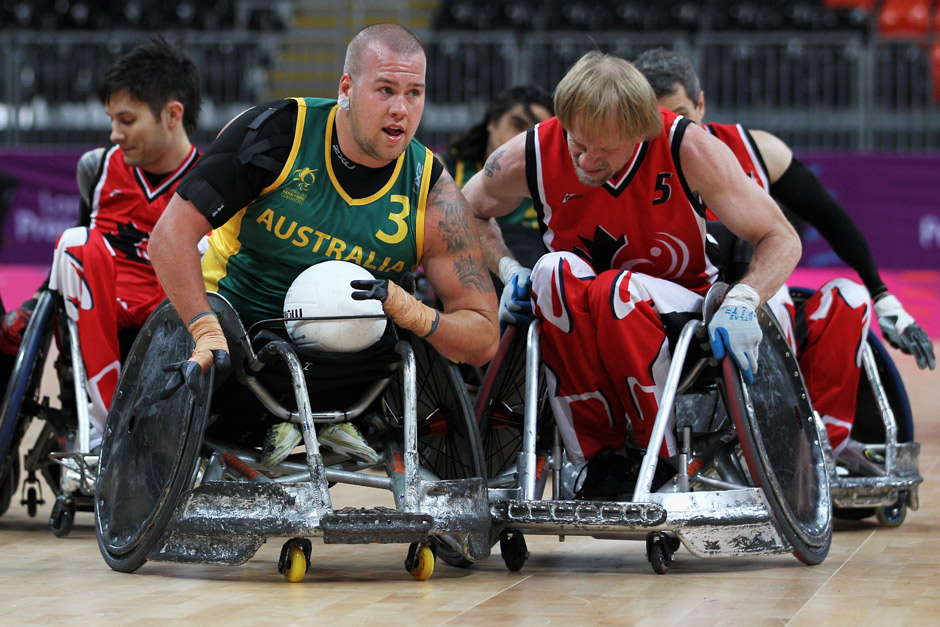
304 236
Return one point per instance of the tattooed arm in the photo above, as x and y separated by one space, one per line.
495 191
468 330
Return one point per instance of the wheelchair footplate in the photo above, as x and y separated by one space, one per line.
381 525
902 481
577 515
709 523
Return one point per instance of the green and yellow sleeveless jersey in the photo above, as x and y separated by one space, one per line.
305 217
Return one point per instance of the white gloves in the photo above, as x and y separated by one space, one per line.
734 328
899 328
515 303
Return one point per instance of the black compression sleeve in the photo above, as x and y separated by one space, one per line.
220 180
802 193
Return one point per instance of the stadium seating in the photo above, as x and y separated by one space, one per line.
141 14
655 15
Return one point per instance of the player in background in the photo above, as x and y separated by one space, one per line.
102 268
828 330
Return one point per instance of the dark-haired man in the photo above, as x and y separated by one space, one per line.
102 268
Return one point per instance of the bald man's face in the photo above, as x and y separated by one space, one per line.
386 102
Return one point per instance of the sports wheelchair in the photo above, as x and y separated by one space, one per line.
62 453
751 476
884 422
179 480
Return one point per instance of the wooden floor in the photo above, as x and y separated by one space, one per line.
873 575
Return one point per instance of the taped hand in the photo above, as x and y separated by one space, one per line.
900 330
515 303
734 329
211 348
403 308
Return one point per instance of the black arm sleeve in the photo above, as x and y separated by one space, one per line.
221 183
802 193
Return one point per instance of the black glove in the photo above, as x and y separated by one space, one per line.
375 289
188 372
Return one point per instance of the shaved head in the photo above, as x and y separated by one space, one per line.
395 38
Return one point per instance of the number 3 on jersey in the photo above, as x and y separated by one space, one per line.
399 220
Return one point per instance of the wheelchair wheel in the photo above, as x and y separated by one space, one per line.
448 437
500 407
21 397
151 447
8 484
780 443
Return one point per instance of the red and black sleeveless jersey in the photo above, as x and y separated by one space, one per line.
125 204
739 140
646 219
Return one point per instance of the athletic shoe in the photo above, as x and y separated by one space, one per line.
345 439
861 460
279 441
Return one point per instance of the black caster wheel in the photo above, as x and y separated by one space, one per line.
659 552
891 515
31 502
295 559
513 548
63 516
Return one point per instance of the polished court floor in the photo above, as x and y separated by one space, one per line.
873 576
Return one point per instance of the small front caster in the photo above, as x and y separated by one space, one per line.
420 561
63 516
659 550
32 501
513 548
295 559
891 515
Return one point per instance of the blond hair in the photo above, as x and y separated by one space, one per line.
601 91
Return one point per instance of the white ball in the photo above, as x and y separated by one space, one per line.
323 290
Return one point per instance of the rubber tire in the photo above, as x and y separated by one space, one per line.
450 556
513 549
500 407
749 432
888 517
32 502
442 395
8 485
186 463
63 517
23 384
658 557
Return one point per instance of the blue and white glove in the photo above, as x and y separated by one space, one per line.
734 328
899 328
515 303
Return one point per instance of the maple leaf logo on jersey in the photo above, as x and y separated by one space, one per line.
131 241
601 250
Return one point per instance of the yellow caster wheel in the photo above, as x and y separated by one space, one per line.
420 562
295 559
298 566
